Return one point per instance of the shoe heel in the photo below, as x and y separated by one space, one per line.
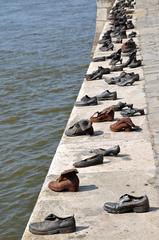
142 112
115 96
141 209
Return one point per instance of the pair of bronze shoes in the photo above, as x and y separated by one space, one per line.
124 124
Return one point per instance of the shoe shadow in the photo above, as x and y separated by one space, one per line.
87 188
154 209
100 103
137 130
106 162
124 156
97 133
80 228
119 98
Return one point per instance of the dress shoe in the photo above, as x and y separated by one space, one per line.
107 47
132 62
87 101
131 57
97 74
112 80
105 39
130 112
128 203
68 181
99 59
82 127
113 55
126 82
116 58
135 63
115 68
106 36
124 78
113 151
53 225
91 161
107 95
120 105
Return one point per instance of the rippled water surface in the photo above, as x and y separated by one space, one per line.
44 53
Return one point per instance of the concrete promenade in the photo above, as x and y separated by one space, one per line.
134 171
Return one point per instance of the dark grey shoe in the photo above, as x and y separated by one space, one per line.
130 25
132 34
103 40
130 112
132 75
91 161
107 95
53 225
113 151
112 55
135 63
128 203
97 74
120 105
116 58
115 68
99 59
87 101
107 48
82 127
113 80
123 78
115 61
126 82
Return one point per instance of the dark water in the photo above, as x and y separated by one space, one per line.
44 53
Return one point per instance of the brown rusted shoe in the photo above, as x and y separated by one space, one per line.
105 115
68 181
124 124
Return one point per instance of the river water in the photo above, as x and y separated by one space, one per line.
44 53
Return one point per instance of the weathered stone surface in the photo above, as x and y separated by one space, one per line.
147 25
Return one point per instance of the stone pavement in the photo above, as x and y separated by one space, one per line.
148 25
132 172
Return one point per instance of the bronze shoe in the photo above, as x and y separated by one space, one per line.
105 115
128 203
68 181
124 124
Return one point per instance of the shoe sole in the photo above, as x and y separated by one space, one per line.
80 105
60 230
139 209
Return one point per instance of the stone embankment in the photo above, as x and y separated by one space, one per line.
133 171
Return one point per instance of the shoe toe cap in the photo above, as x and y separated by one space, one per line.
109 206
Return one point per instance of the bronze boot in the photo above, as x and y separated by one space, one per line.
68 181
